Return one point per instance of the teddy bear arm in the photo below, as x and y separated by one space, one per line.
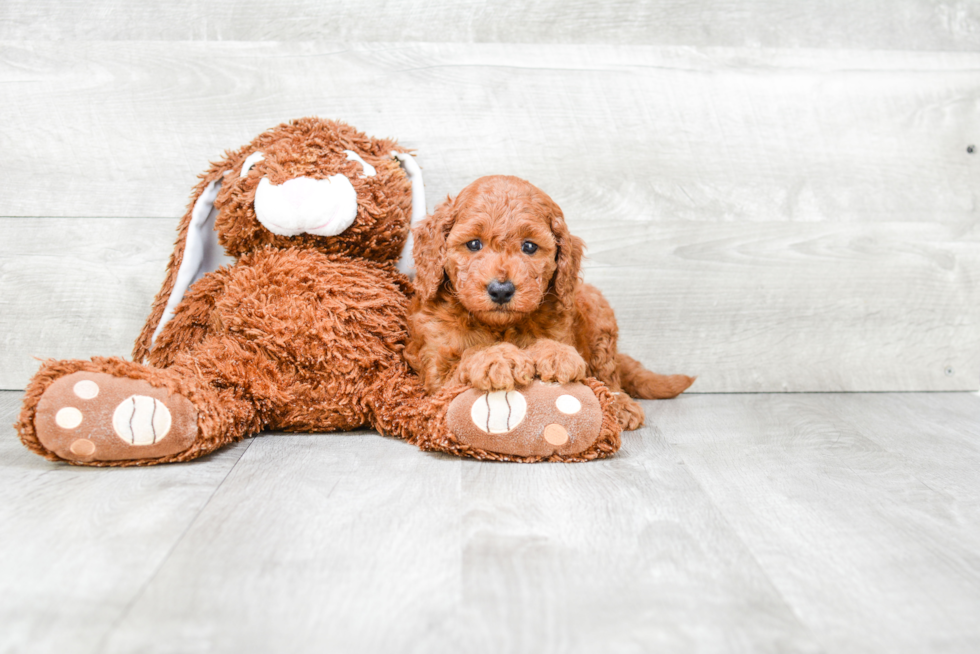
193 321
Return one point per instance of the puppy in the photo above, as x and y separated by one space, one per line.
499 301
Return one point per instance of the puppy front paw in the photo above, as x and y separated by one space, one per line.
499 367
557 362
629 413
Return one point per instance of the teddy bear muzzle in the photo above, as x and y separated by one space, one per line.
304 205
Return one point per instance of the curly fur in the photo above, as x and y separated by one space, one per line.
555 326
306 147
302 333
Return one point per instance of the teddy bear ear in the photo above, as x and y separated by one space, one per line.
406 264
196 253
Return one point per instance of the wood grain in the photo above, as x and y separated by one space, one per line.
935 437
747 307
9 407
625 132
794 307
79 544
357 543
869 555
868 24
771 220
75 288
346 543
611 556
734 523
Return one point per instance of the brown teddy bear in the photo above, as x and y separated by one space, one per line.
283 309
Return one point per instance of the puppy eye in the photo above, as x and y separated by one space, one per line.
529 248
475 245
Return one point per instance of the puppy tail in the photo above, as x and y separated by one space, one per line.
640 383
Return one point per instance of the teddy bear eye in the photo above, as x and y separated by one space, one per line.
529 248
250 161
475 245
369 170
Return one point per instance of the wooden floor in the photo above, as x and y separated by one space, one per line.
743 523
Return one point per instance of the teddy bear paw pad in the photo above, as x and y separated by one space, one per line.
538 420
93 416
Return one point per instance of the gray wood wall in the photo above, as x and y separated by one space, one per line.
777 196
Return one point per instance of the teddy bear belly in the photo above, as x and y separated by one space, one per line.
321 417
302 334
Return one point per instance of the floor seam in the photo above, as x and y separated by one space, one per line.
728 524
139 594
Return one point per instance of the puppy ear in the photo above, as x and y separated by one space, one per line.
429 249
569 259
196 253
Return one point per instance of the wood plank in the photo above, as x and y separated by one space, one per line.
358 543
75 288
730 523
875 24
9 406
747 307
753 307
624 132
79 544
867 555
619 555
935 436
341 542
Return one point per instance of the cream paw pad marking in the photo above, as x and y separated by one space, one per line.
93 416
540 419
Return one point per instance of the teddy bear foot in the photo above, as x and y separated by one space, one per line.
535 422
92 416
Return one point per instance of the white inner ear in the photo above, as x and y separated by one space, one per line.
202 252
406 264
369 170
250 161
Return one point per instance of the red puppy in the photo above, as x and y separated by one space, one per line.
499 301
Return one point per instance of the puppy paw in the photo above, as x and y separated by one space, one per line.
629 413
557 362
500 367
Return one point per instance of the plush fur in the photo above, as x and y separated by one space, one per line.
301 333
312 148
503 229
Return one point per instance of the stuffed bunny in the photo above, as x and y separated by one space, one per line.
283 308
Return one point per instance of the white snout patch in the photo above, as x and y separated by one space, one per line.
141 420
303 205
568 404
369 170
499 412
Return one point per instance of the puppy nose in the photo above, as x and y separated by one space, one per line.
501 292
